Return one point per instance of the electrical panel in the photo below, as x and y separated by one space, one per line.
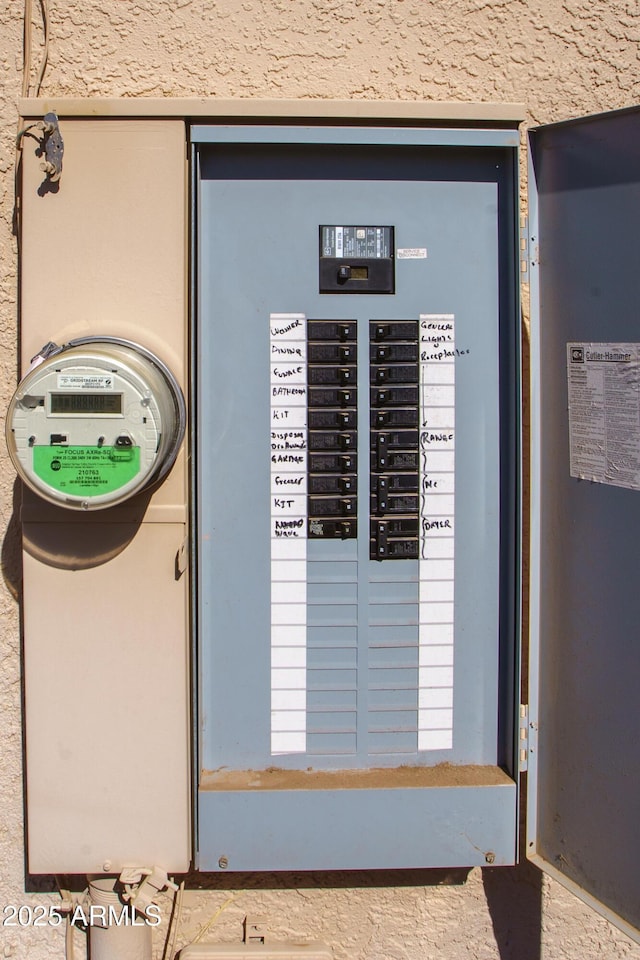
354 496
357 512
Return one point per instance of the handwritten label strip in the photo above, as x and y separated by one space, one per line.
437 534
289 451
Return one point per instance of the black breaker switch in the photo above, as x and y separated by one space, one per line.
333 420
357 259
394 501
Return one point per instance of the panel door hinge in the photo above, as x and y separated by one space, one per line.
523 738
524 249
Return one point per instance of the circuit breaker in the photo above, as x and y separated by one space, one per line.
357 372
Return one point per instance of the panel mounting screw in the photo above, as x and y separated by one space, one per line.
106 866
223 863
490 857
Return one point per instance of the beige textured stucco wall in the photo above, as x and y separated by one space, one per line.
560 58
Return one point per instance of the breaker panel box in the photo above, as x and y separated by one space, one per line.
357 371
354 395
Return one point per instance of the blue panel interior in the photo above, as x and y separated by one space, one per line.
259 208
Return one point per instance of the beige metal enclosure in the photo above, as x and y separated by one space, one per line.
105 598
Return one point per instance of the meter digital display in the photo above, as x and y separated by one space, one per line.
86 403
95 422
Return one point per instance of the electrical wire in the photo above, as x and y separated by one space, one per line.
214 918
28 43
66 907
176 920
45 49
26 48
68 939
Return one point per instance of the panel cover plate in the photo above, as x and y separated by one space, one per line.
313 655
584 783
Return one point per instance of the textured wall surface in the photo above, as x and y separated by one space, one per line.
561 59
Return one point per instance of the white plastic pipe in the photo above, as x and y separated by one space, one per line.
116 931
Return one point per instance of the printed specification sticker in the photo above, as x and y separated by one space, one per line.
365 242
86 471
604 412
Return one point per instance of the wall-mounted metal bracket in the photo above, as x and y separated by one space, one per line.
52 147
255 930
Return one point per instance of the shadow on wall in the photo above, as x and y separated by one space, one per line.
514 899
11 556
66 539
513 895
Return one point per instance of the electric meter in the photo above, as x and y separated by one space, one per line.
94 422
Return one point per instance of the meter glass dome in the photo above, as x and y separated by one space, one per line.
95 422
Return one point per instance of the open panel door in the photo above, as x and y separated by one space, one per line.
584 779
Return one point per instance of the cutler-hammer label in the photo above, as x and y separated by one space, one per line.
604 412
85 381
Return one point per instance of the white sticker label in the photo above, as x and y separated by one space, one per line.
411 253
604 412
288 402
437 531
85 381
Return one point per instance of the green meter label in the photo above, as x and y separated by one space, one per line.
86 471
